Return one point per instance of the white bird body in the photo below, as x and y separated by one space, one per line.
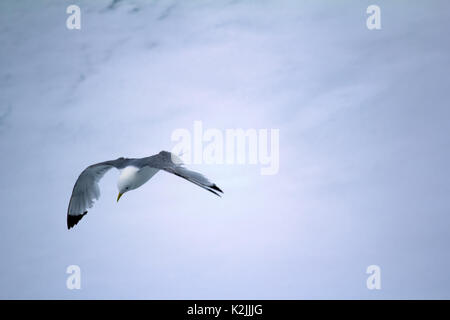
134 173
134 177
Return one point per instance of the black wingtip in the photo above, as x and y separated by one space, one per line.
73 220
216 188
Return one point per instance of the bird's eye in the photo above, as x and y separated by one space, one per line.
126 188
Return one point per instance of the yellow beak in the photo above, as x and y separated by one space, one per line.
118 197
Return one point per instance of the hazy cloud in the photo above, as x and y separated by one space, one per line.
364 140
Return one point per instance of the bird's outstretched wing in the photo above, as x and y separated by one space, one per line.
171 163
86 189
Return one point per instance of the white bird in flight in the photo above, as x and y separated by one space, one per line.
135 172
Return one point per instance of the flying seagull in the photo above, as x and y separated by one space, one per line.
135 172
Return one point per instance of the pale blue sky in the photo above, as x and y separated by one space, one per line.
364 148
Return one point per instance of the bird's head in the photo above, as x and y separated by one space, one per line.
122 191
127 181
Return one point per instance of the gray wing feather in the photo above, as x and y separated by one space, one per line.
86 190
171 163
